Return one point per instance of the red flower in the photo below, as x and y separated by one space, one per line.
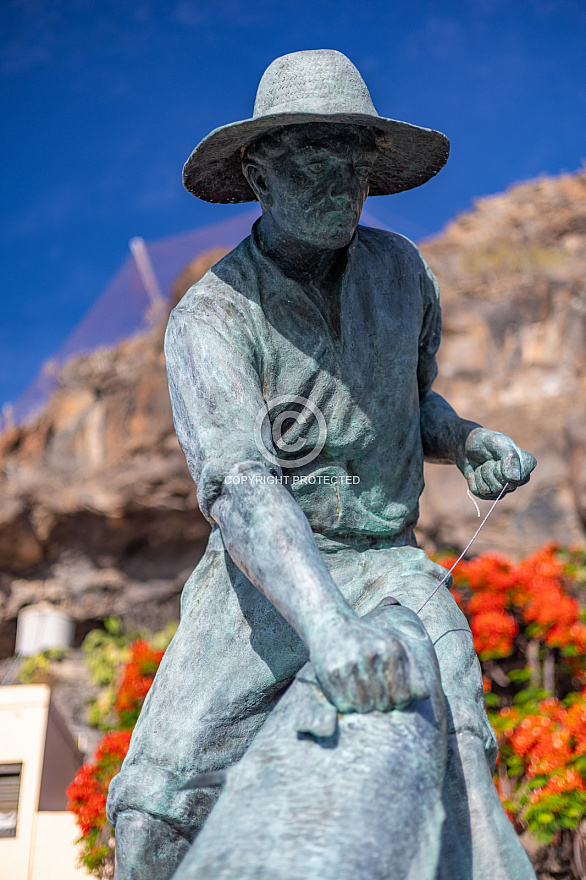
113 746
87 798
493 633
485 601
137 678
88 792
491 571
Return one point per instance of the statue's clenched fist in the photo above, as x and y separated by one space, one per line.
361 667
491 460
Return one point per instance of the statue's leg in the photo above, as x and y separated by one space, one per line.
147 848
232 657
323 796
479 842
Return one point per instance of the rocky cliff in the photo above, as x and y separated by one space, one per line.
513 279
99 513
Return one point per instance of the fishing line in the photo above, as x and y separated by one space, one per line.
474 502
467 547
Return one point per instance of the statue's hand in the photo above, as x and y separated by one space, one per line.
361 668
490 460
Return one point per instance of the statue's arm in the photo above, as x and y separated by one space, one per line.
443 432
269 538
488 459
359 667
216 394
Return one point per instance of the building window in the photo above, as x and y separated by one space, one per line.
9 792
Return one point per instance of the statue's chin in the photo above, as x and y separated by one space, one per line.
339 238
332 235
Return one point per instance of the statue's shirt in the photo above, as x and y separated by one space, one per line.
247 334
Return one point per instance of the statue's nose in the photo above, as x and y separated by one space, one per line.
344 185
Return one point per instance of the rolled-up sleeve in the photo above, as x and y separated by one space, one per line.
216 394
431 330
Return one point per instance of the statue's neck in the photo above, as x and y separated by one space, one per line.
319 267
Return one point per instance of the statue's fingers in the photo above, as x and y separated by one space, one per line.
485 444
335 691
528 463
397 675
478 485
492 476
511 466
525 464
380 685
473 483
359 687
356 686
316 714
418 687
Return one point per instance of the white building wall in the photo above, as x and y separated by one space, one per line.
23 719
55 851
44 847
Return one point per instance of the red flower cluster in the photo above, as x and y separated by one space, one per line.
86 797
113 747
544 743
88 792
504 594
527 615
568 780
136 681
493 633
540 589
491 579
550 744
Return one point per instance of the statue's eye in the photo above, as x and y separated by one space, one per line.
363 169
316 167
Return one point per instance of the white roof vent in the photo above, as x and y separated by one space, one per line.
41 627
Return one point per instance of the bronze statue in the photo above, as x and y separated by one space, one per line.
300 370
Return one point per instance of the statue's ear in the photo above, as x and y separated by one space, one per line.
257 180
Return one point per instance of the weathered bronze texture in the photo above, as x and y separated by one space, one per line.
300 370
315 86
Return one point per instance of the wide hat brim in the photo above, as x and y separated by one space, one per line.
408 154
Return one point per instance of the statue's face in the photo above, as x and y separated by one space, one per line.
316 188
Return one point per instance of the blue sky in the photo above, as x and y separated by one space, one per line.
103 101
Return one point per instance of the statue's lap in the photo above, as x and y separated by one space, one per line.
234 655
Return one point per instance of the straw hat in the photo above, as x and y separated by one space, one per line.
320 85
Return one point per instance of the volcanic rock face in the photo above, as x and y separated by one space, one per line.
99 514
513 357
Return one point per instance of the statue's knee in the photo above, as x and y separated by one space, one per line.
147 848
468 717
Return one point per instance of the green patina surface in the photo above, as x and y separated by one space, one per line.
301 369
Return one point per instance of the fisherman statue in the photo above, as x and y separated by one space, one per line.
300 370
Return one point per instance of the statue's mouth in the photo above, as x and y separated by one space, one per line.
347 214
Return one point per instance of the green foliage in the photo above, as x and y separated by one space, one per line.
574 560
96 857
519 676
37 668
106 652
555 812
161 640
106 649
